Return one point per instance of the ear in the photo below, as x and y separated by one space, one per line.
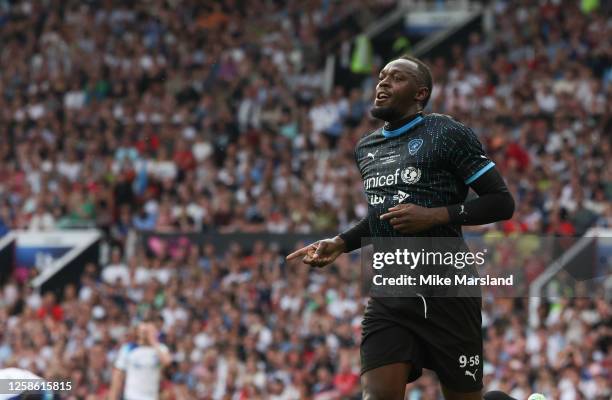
421 94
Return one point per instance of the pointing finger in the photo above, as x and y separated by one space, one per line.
301 252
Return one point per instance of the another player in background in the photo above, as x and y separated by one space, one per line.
138 368
417 170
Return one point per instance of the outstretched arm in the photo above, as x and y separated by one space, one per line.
352 237
319 253
324 252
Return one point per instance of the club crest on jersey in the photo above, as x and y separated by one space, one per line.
411 175
414 145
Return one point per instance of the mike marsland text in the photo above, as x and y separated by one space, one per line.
437 280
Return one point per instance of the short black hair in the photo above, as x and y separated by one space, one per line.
424 75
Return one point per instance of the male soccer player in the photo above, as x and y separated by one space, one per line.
416 171
141 365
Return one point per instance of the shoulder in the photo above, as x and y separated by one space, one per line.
127 348
446 122
450 130
368 137
125 353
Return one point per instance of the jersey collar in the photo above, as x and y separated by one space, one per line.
402 129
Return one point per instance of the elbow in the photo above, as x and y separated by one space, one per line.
508 207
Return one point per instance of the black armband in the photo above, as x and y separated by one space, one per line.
352 236
495 203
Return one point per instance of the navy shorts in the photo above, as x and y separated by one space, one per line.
437 333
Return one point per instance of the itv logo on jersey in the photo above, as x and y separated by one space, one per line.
375 200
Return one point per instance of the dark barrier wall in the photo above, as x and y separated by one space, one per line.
7 262
71 272
221 242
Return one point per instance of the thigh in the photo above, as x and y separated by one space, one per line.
457 364
452 395
385 383
453 345
385 342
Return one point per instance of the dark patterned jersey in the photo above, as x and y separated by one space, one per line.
430 161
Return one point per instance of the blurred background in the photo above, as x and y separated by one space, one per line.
158 159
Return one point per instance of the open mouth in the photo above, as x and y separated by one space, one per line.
381 98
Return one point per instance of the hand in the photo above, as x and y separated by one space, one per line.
152 335
410 218
320 253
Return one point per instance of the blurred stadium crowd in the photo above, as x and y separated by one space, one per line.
173 116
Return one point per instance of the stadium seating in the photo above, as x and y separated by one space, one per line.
170 116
